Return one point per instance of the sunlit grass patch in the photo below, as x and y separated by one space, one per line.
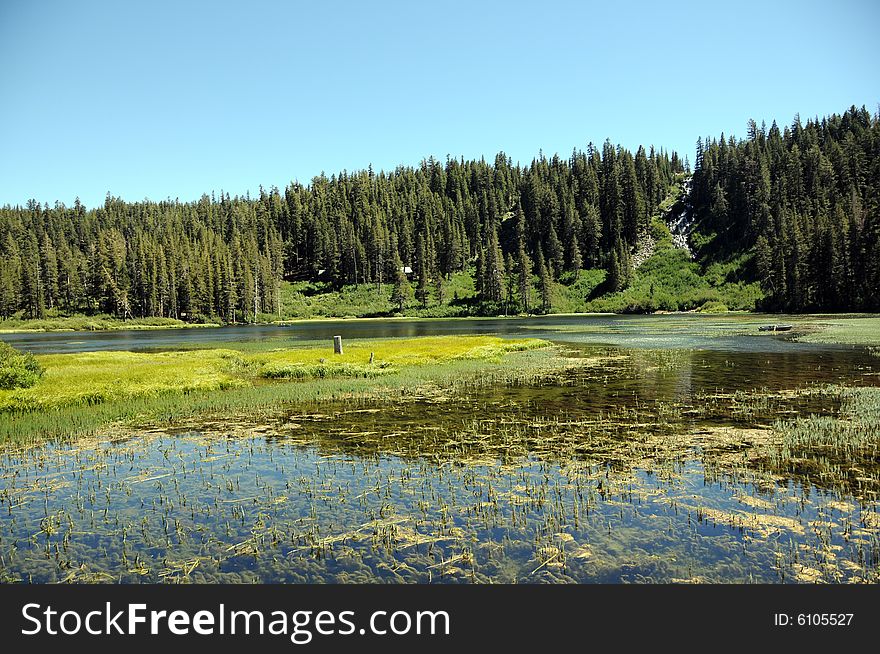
80 392
388 353
93 377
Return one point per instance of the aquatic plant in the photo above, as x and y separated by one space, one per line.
459 464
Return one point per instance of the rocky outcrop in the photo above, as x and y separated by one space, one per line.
680 218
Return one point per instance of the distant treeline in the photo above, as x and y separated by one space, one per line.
225 256
796 209
806 201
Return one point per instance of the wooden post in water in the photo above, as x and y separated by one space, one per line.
337 344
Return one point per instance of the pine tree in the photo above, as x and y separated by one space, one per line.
31 282
615 277
439 289
493 267
422 289
571 229
510 284
523 263
544 283
401 291
635 218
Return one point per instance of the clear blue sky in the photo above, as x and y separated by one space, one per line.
172 99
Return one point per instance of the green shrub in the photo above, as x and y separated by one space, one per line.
17 369
713 306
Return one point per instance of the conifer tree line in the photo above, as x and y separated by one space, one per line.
519 228
806 201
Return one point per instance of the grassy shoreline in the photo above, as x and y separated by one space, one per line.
83 323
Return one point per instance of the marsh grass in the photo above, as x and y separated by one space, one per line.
79 393
90 378
841 450
476 465
854 330
100 322
465 487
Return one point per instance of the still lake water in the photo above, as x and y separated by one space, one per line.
621 470
734 333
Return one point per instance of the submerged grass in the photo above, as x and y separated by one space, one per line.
471 464
470 487
838 451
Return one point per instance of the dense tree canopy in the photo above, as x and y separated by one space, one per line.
224 257
802 205
806 201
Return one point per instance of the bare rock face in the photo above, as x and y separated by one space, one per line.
644 250
680 219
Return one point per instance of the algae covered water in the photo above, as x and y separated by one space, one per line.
627 466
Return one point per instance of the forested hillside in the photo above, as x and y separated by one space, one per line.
796 210
805 201
517 229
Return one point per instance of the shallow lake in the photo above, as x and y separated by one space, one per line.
620 470
724 332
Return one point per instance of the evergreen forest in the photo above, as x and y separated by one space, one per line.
783 220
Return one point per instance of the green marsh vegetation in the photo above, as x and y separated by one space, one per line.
18 369
841 449
83 392
853 329
624 466
453 459
97 322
